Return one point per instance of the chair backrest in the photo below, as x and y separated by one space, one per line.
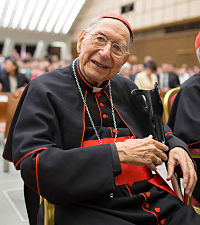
12 105
4 100
168 101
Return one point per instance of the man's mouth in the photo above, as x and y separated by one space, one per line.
99 64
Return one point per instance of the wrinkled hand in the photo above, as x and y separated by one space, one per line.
144 152
178 156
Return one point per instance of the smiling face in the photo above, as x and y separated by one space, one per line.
98 64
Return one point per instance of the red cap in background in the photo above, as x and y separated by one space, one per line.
197 41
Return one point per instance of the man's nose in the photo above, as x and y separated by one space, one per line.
106 51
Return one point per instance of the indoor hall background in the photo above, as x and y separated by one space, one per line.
163 29
149 20
175 48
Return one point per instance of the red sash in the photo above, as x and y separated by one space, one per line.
131 173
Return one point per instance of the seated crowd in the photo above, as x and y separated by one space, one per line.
24 69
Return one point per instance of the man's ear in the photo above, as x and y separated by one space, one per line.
80 40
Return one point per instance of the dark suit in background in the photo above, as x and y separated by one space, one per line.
5 81
168 80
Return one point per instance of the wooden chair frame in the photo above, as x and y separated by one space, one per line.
49 211
166 101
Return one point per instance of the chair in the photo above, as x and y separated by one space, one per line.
167 104
168 101
4 99
12 105
49 210
8 104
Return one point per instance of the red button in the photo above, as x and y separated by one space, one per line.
98 95
105 116
101 104
115 131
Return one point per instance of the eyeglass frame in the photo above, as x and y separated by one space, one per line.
107 41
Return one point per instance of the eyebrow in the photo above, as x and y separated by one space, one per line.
102 33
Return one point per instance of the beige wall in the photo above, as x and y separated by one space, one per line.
175 47
147 13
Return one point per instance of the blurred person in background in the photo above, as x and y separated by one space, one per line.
26 68
14 54
126 70
185 117
190 71
167 79
147 78
147 58
183 75
2 69
195 69
12 80
171 68
39 67
136 69
133 61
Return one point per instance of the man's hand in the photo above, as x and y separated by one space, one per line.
144 152
178 156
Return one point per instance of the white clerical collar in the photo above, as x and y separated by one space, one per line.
96 89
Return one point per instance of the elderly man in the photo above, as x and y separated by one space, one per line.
83 143
185 116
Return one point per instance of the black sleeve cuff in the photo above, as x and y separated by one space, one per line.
115 160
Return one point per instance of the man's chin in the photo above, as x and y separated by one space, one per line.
94 81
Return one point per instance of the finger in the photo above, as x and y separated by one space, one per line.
186 174
148 162
151 166
191 181
157 161
150 136
194 184
161 154
151 157
161 146
170 170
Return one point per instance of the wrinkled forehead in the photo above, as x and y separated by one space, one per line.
112 28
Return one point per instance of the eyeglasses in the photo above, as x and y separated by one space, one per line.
100 41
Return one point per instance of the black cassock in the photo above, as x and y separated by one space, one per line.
185 118
46 142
